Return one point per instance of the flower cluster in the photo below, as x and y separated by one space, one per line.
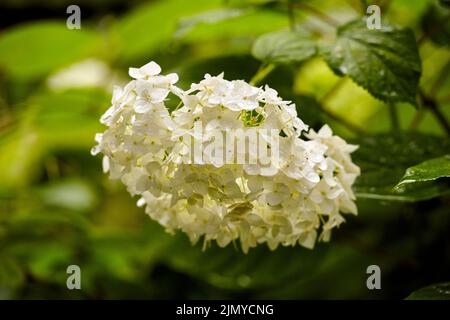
296 196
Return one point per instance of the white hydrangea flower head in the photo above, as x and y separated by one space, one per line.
297 197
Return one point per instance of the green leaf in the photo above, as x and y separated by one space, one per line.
427 171
383 160
436 24
53 120
284 47
385 62
186 24
150 27
34 50
249 24
440 291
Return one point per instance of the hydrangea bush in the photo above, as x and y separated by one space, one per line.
299 197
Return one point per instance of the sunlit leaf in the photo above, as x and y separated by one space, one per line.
34 50
248 24
54 120
150 27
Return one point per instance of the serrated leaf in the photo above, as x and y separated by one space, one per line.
383 160
440 291
284 47
386 62
427 171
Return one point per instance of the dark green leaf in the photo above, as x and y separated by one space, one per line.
229 268
440 291
445 3
426 171
284 47
436 24
385 62
383 160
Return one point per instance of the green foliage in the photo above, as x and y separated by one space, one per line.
440 291
34 50
246 25
284 47
436 24
217 266
428 170
54 121
385 62
152 26
57 208
383 160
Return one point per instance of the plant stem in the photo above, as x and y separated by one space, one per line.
434 108
445 70
291 15
363 6
441 79
418 117
394 117
262 72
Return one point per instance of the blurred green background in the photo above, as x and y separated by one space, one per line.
57 208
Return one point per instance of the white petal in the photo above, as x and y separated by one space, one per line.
151 69
135 73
